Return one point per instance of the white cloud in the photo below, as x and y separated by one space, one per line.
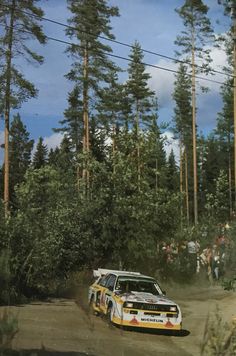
208 104
1 137
171 144
162 82
52 141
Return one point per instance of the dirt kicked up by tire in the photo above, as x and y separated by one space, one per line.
63 327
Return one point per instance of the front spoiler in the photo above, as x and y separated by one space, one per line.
141 324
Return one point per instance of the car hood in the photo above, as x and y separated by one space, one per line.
143 297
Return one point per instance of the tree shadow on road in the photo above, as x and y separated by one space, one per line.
43 352
179 333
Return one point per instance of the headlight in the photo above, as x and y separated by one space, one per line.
173 309
129 305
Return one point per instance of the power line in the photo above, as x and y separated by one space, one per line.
124 58
130 60
117 42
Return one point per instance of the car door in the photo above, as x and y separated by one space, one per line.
107 292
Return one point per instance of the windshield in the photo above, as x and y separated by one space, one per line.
126 285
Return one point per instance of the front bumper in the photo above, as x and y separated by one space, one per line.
145 319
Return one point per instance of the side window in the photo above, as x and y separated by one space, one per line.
110 283
103 280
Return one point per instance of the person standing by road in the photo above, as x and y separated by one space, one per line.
192 255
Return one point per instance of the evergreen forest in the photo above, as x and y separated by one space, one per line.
109 195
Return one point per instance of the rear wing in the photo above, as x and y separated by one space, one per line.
102 272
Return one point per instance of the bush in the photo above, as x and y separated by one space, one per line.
5 277
8 329
219 337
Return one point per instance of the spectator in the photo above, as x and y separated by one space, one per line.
215 262
192 254
205 260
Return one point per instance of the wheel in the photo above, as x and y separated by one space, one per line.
91 305
109 315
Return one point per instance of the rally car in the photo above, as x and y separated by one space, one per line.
131 299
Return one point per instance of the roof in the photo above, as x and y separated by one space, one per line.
102 272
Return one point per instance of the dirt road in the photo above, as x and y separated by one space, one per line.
63 325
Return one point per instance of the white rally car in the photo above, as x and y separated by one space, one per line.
132 299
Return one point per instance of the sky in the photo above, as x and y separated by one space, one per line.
155 25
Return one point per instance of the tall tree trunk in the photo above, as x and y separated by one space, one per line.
181 180
186 185
86 147
138 143
230 177
195 202
113 142
7 110
234 117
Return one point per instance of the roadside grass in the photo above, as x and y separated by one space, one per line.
8 329
219 337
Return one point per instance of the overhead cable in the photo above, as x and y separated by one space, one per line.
117 42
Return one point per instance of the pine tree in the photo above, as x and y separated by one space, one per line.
72 124
193 39
183 130
91 19
229 43
40 155
113 111
225 134
137 87
210 164
154 155
63 160
20 147
140 97
21 25
172 173
53 156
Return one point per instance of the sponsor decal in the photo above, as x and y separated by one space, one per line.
152 320
134 321
168 324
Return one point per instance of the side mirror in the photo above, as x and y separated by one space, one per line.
164 292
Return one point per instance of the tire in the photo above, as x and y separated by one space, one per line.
109 315
91 305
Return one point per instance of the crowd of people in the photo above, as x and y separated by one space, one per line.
189 256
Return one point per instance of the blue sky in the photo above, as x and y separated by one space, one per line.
154 23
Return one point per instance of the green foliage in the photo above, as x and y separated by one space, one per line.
20 15
137 83
131 202
5 276
40 155
34 252
72 124
20 152
90 17
172 176
183 107
8 329
229 284
197 31
219 337
217 205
